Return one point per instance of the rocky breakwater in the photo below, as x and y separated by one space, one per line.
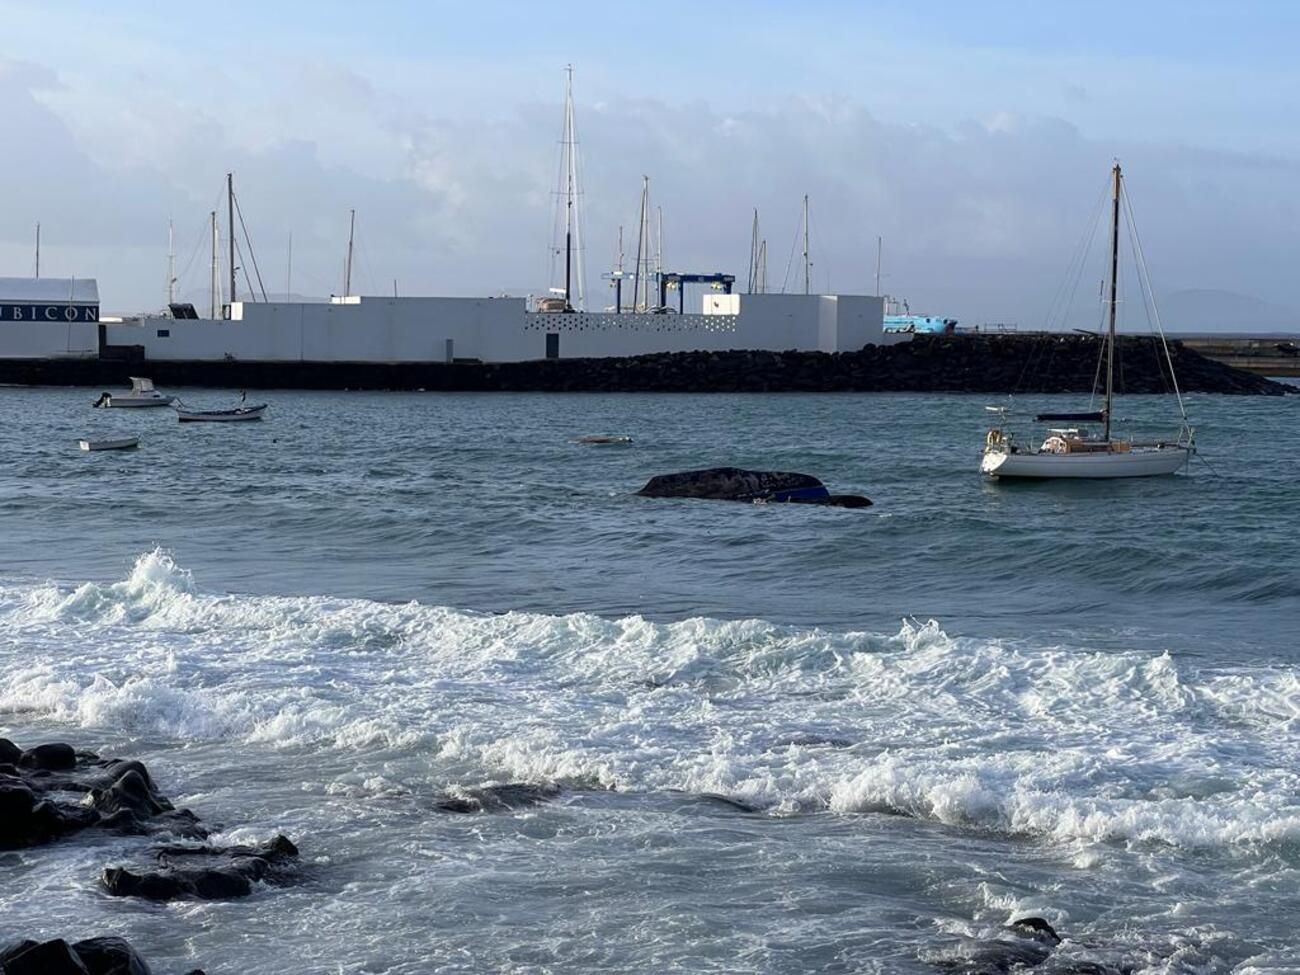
960 363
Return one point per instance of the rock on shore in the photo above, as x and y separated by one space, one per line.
116 795
93 956
120 796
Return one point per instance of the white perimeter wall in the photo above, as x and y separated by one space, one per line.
498 329
48 340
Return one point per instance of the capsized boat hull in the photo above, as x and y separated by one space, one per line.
1138 462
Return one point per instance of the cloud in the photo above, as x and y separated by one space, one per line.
978 220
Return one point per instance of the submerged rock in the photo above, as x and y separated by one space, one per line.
1036 928
497 798
737 484
220 873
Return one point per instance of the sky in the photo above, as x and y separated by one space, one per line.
972 139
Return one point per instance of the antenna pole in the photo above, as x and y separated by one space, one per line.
1114 275
230 226
347 267
807 266
38 248
288 271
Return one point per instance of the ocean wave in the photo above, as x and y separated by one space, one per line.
1067 743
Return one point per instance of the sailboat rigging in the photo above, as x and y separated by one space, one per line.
1075 451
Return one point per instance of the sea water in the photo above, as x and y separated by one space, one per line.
786 738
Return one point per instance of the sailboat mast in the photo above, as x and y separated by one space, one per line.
807 267
38 248
880 246
347 267
570 176
642 247
230 227
1114 284
171 265
215 282
618 277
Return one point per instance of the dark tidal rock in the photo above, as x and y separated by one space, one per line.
729 802
93 956
206 872
737 484
1036 928
117 795
497 798
110 956
55 756
42 958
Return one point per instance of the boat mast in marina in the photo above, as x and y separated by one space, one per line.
171 266
230 228
215 285
617 275
38 249
568 213
642 272
347 264
807 264
880 245
1114 281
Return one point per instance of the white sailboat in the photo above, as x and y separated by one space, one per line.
1076 451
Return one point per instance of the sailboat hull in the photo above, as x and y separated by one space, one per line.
1043 466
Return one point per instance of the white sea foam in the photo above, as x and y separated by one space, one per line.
1074 745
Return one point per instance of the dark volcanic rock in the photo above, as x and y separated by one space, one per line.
497 798
120 796
218 873
42 958
9 752
1036 928
55 756
93 956
737 484
110 956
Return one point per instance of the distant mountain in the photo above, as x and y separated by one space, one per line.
1211 310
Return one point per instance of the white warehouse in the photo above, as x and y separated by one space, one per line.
377 329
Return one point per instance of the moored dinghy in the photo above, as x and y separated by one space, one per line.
238 414
122 443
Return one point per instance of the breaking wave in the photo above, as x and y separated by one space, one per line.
1070 744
